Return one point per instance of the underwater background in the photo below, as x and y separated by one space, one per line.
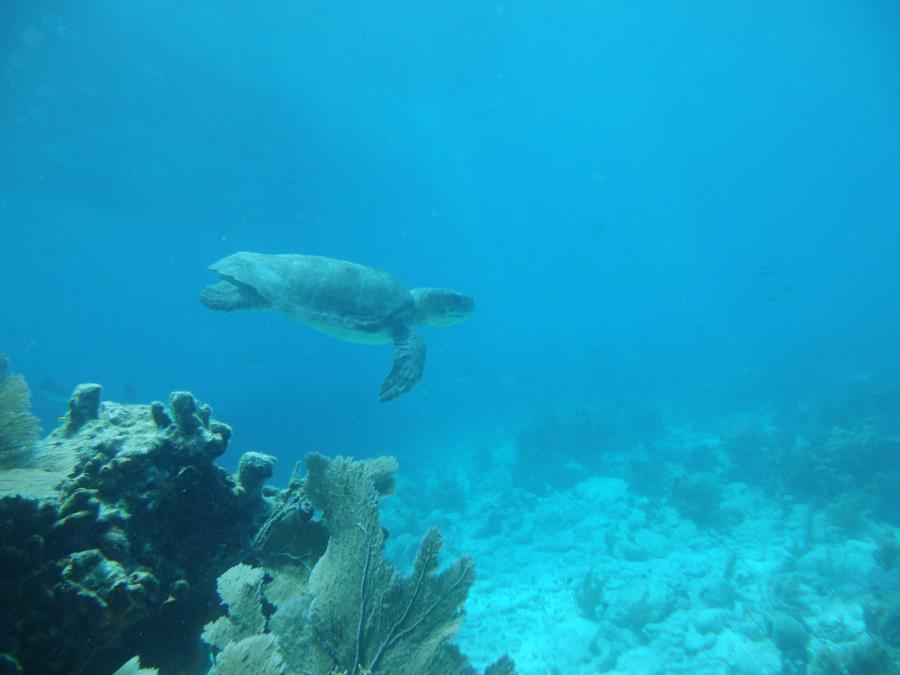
680 223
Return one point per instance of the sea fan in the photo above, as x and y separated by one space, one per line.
19 429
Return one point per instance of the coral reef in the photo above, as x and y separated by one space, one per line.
589 597
555 451
19 429
887 555
883 620
116 560
873 658
122 557
350 611
699 498
791 637
749 441
843 452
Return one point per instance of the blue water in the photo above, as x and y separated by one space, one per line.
643 200
646 201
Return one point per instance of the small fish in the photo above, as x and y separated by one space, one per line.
765 271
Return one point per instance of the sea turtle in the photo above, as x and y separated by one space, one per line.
342 299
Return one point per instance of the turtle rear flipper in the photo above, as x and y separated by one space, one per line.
409 361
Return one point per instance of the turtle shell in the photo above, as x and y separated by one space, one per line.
344 299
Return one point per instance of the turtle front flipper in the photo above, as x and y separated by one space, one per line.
228 295
409 361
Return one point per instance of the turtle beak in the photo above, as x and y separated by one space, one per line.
457 308
465 306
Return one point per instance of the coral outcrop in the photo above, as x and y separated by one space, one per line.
122 556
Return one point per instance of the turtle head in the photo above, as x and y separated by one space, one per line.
441 306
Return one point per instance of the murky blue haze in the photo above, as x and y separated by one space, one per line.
641 199
650 202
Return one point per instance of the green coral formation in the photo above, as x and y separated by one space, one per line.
19 429
350 611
